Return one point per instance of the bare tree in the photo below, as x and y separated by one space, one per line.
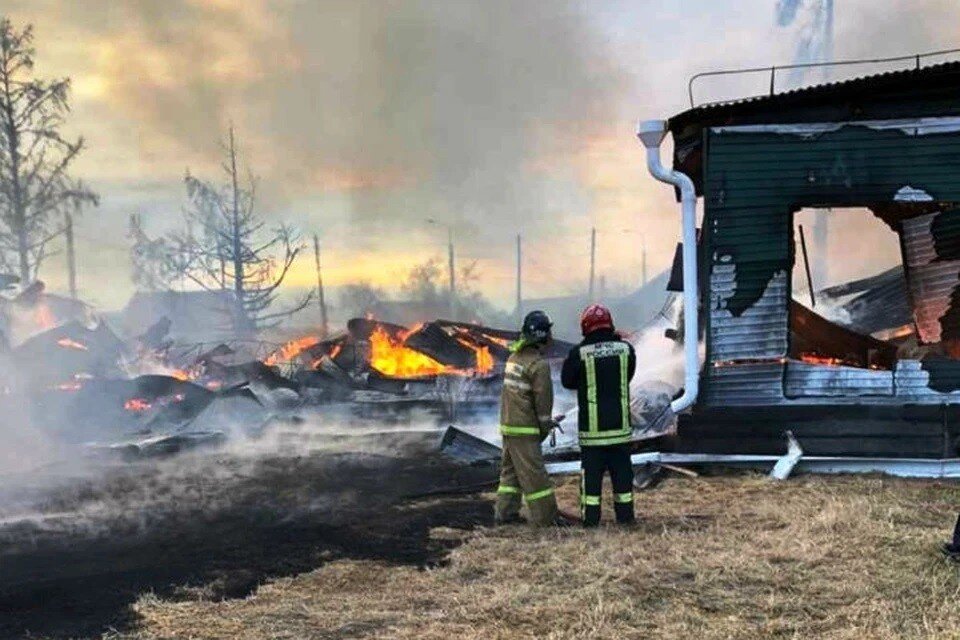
424 284
362 298
157 263
35 185
230 247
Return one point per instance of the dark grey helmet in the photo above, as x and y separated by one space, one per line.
536 327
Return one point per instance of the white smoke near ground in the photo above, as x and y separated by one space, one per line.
24 321
287 472
834 309
659 359
147 363
659 376
27 448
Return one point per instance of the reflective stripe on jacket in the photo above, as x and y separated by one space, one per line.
526 401
600 369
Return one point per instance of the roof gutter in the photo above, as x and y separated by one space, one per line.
651 134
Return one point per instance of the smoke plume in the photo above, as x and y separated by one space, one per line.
445 104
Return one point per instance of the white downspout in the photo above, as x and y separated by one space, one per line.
651 134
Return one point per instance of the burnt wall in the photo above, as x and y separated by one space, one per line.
755 178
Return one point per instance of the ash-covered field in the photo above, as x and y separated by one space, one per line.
81 539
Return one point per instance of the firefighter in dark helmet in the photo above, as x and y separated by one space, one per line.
600 369
526 418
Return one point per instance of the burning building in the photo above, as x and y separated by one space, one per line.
885 147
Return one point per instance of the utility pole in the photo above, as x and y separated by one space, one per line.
324 327
453 277
593 262
71 254
519 273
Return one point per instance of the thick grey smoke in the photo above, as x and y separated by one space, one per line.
367 117
450 102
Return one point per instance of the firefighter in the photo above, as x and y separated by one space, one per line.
526 406
600 369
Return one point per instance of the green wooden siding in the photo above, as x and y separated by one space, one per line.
754 181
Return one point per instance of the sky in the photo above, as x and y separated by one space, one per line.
363 120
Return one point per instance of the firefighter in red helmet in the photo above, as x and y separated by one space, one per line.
600 369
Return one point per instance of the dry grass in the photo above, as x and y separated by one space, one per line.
722 557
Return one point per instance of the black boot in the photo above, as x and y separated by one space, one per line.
952 549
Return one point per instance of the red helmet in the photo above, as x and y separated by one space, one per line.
594 317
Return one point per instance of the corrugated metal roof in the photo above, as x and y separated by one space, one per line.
881 302
928 77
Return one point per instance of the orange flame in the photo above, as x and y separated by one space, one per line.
334 352
484 359
67 343
816 358
389 356
181 375
136 405
503 342
291 350
43 317
830 361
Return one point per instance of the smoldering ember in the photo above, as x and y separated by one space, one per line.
327 319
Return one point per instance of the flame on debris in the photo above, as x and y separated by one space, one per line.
830 361
503 342
389 356
334 352
43 317
816 358
291 350
74 385
809 358
67 343
136 405
484 359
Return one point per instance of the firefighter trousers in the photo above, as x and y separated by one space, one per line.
523 475
594 462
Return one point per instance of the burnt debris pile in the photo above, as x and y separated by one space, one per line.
66 369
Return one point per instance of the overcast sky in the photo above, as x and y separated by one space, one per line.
363 119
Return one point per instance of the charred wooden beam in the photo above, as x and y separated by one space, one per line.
432 340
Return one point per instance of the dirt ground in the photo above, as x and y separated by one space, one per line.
215 526
714 557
